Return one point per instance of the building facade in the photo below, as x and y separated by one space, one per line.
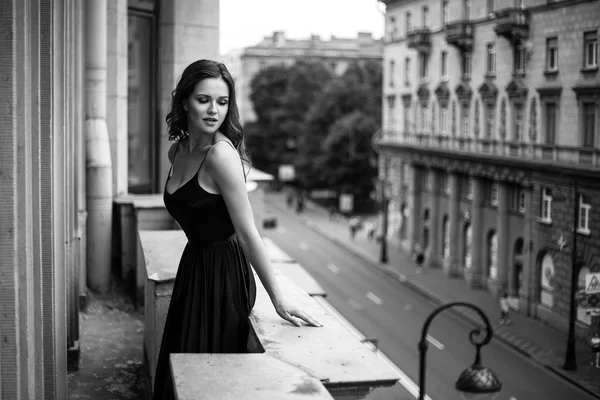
490 144
84 93
337 53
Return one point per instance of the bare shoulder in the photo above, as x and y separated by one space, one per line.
171 153
222 153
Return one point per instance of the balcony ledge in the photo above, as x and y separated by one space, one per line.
329 356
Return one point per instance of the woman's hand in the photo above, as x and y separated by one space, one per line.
294 315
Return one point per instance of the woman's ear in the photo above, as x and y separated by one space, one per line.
185 105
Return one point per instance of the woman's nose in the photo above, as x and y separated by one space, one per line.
213 108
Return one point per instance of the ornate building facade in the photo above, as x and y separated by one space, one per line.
491 144
337 53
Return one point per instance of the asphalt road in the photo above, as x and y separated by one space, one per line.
382 308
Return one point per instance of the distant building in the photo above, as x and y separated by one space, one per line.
491 114
336 53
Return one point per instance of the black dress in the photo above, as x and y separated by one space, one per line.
214 290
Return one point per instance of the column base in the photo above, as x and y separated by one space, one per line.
495 286
452 270
473 279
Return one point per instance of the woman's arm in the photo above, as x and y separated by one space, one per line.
225 169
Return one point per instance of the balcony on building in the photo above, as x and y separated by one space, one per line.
460 34
420 40
512 23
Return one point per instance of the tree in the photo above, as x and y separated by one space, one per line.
345 162
358 89
282 96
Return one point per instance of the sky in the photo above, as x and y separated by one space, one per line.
244 23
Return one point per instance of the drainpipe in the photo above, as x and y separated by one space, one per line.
98 160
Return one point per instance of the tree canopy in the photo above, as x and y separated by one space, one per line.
321 123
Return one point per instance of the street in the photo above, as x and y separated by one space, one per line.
382 308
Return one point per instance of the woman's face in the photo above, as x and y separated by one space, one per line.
207 106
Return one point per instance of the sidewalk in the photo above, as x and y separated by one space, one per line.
531 337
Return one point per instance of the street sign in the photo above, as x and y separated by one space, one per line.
592 283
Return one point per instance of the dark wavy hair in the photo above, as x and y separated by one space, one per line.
176 119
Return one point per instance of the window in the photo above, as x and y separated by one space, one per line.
443 120
590 48
521 201
494 194
407 71
447 184
408 17
392 71
546 205
443 61
424 120
490 120
406 119
552 54
467 10
469 188
425 16
465 120
491 7
589 124
519 59
550 123
424 65
428 180
520 3
585 206
392 27
466 64
518 133
445 13
491 59
405 174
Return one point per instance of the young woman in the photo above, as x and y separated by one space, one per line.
214 290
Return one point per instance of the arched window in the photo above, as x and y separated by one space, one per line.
546 280
492 255
446 238
467 245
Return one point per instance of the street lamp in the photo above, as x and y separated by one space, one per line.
570 358
475 380
383 257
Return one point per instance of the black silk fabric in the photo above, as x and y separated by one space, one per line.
214 290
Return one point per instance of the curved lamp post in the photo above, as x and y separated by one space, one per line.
474 380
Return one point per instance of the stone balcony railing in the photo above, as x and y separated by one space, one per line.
512 23
420 40
285 362
580 156
460 34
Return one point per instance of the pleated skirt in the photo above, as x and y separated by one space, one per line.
213 294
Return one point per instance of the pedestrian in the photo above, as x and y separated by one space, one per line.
205 192
595 345
504 309
289 199
353 223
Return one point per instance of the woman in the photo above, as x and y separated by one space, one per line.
214 290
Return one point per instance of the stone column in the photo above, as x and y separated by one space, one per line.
452 265
433 257
414 207
474 275
502 235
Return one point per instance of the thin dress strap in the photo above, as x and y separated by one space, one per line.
174 154
206 155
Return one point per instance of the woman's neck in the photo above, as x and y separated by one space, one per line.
199 141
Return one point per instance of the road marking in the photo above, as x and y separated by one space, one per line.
303 246
333 268
404 379
355 304
371 296
435 342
